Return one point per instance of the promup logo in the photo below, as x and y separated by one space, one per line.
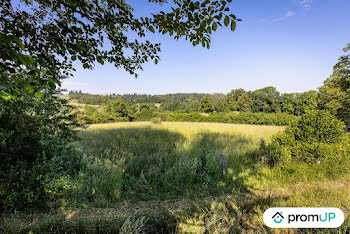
278 217
303 217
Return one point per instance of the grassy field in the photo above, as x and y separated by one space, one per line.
168 178
81 106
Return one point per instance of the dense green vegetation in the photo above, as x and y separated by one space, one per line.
335 93
34 151
316 137
158 176
92 115
267 100
263 106
169 177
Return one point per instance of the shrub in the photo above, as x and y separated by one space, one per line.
34 134
272 153
144 115
316 137
317 126
234 118
156 120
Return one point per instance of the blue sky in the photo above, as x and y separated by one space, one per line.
289 44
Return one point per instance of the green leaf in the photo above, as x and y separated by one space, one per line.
156 61
85 65
74 57
226 20
151 29
100 60
233 25
52 83
17 41
6 96
219 16
214 26
25 59
30 88
38 94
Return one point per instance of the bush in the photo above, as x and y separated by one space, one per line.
34 155
156 120
148 114
316 137
234 118
144 115
317 126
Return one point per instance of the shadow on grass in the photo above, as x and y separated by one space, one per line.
157 164
173 184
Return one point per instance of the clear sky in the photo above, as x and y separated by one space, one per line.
289 44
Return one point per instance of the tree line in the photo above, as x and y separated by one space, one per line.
174 107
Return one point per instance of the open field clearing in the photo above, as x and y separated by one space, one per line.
189 129
81 106
168 178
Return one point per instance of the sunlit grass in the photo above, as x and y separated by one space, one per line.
170 174
81 106
188 129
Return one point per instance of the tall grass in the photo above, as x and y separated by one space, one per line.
145 161
168 178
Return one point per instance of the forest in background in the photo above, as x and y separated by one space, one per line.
264 106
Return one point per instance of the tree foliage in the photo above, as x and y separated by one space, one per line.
48 36
34 154
335 93
267 100
207 105
317 136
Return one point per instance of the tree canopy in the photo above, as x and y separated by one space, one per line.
335 93
46 37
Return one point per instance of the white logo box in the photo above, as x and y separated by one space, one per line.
303 217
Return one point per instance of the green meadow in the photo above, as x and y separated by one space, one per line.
167 178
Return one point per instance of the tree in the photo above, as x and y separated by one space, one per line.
219 101
56 33
335 93
207 105
89 110
231 99
169 106
193 106
306 101
287 103
266 100
245 102
116 109
144 112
